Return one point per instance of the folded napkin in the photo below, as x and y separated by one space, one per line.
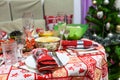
44 61
48 61
76 44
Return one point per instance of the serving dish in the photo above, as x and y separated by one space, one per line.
51 43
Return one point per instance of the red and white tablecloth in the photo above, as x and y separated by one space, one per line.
90 66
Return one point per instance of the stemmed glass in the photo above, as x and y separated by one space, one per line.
66 33
28 24
61 37
61 17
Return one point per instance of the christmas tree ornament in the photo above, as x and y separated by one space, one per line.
104 17
106 2
118 29
110 34
94 2
95 34
96 8
119 15
107 26
100 14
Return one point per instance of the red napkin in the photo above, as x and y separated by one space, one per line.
45 68
76 43
44 61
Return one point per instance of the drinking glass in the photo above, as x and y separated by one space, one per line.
61 17
28 24
9 52
66 33
20 45
61 38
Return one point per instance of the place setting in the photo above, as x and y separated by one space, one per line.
50 52
57 48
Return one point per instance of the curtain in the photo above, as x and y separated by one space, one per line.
85 4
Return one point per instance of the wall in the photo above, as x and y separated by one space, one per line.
77 11
14 9
52 7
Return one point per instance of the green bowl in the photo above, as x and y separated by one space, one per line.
76 31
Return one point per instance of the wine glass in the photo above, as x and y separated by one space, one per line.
66 33
61 38
28 24
61 17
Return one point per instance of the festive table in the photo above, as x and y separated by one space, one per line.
86 65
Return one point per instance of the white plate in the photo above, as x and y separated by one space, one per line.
86 49
30 62
63 58
82 49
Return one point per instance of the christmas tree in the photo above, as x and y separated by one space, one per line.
104 27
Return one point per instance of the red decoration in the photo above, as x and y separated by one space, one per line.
41 78
81 70
71 68
30 44
55 19
104 17
27 75
39 30
15 75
